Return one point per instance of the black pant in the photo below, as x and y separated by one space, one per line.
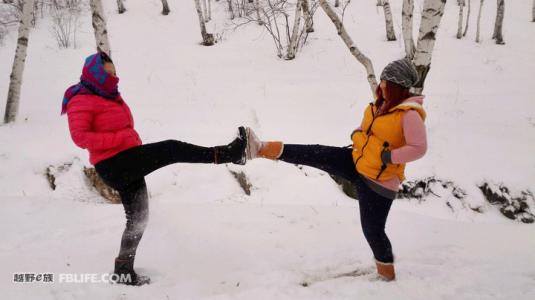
125 172
374 208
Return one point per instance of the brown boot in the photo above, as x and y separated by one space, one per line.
257 148
386 271
271 150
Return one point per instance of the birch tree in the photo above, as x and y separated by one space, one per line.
460 24
288 34
498 25
479 21
431 17
15 83
292 47
390 34
231 9
363 59
257 9
120 6
99 26
209 15
206 10
165 8
208 38
406 25
467 18
309 22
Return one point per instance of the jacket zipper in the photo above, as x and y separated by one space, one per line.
385 147
385 144
367 135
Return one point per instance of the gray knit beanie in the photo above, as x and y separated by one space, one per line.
402 72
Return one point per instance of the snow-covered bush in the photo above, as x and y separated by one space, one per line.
65 21
419 189
287 22
519 207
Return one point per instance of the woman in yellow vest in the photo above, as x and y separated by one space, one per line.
392 133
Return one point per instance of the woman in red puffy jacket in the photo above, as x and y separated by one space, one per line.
101 122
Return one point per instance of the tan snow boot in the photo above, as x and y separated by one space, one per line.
271 150
386 271
257 148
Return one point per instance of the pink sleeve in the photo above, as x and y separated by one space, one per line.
80 115
415 138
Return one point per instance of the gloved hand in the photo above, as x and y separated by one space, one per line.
386 157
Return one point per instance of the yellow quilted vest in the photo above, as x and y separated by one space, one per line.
378 134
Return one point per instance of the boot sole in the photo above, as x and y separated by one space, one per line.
243 135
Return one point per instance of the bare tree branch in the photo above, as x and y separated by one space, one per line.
363 59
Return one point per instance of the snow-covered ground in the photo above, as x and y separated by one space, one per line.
206 239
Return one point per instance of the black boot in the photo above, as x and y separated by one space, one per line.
124 273
233 152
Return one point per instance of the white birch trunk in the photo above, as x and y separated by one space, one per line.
15 83
498 25
209 16
431 17
208 38
239 8
406 25
258 16
479 21
460 23
292 47
231 9
165 8
99 26
309 23
467 19
120 6
390 34
363 59
205 10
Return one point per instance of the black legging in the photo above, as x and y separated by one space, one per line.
374 208
125 173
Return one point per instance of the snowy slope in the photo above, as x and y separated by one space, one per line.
205 236
248 251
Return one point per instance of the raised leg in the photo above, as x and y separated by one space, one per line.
333 160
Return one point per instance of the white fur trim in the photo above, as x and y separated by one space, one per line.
282 150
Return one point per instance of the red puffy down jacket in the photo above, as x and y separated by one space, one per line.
101 126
